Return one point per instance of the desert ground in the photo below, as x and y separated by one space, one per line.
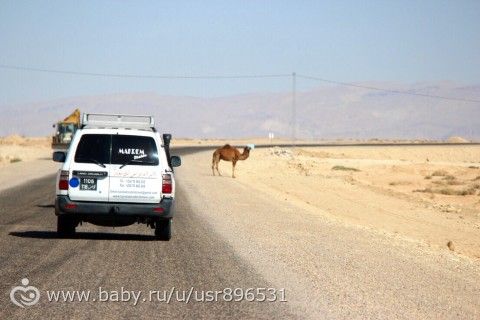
23 159
17 149
421 194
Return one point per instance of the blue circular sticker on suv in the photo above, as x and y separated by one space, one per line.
74 182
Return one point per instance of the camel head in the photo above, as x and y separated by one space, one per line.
245 154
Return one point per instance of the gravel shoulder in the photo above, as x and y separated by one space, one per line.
24 159
16 174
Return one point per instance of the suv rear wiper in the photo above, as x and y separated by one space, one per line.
136 161
91 160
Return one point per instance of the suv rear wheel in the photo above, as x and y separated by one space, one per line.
65 226
163 229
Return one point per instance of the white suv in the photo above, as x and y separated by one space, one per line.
117 171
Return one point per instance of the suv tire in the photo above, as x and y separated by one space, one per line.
163 229
65 226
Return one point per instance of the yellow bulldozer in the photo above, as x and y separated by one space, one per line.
64 131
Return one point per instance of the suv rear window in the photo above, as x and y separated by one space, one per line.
117 149
142 150
93 148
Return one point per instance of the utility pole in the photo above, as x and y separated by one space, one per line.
294 108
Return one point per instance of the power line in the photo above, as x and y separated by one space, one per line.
219 77
142 76
386 90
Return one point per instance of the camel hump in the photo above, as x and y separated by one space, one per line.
227 146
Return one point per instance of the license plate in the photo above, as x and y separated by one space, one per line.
88 184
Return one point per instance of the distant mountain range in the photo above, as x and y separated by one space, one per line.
327 112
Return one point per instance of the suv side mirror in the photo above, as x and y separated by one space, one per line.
59 156
166 138
176 161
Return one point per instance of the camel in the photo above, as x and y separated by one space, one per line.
228 153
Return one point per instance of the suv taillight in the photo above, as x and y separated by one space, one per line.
166 183
63 182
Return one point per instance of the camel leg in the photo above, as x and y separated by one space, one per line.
215 161
216 167
233 168
213 164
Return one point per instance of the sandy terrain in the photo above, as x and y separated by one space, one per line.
17 149
421 194
24 159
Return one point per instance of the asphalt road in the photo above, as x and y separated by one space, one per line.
111 259
224 237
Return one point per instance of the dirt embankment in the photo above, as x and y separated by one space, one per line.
17 149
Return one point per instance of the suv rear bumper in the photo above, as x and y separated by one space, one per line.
104 212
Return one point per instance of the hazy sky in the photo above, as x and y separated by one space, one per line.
406 41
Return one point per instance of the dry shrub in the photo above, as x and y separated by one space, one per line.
426 190
454 183
343 168
440 173
400 183
453 192
449 191
468 192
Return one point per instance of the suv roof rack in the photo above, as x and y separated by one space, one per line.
126 121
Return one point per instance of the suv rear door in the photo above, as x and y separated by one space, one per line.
135 172
89 170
